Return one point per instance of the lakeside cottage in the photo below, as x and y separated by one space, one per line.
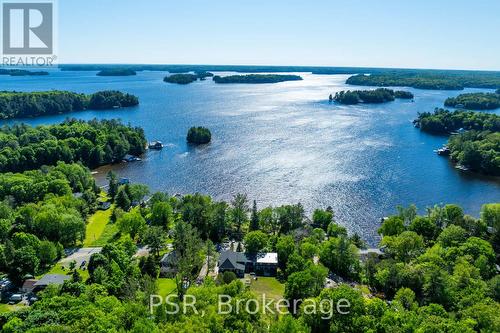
47 279
263 264
168 264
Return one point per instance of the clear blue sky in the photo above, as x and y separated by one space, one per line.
380 33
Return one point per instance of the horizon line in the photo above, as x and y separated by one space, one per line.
260 65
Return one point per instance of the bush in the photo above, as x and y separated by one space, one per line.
228 277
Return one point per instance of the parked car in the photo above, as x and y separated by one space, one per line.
15 298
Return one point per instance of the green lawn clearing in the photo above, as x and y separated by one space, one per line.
166 286
58 269
96 226
268 286
8 308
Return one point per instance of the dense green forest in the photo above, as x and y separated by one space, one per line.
477 150
437 272
199 135
475 101
445 122
379 95
403 94
440 80
181 78
256 78
476 146
202 75
21 72
92 143
40 216
187 78
32 104
116 72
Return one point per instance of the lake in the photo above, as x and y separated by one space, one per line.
283 143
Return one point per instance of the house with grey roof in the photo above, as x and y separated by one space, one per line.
168 264
48 279
264 264
235 262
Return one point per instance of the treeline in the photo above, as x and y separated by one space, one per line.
437 272
476 150
380 95
32 104
21 72
256 78
116 72
476 145
187 78
440 80
475 101
93 143
445 122
181 78
40 216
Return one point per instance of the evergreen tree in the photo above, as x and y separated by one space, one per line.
254 221
122 199
113 185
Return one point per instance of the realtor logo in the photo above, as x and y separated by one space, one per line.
28 28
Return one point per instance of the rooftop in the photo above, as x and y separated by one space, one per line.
267 258
51 279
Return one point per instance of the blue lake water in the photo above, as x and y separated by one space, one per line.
283 143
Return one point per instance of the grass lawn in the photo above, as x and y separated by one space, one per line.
109 232
166 286
58 269
8 308
268 286
96 226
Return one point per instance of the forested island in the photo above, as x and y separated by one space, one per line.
475 101
187 78
181 78
438 80
380 95
256 78
202 75
21 72
32 104
117 72
91 143
199 135
475 143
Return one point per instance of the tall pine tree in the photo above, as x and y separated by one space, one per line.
254 221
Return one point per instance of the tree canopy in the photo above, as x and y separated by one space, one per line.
32 104
379 95
256 78
475 101
422 79
92 143
199 135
